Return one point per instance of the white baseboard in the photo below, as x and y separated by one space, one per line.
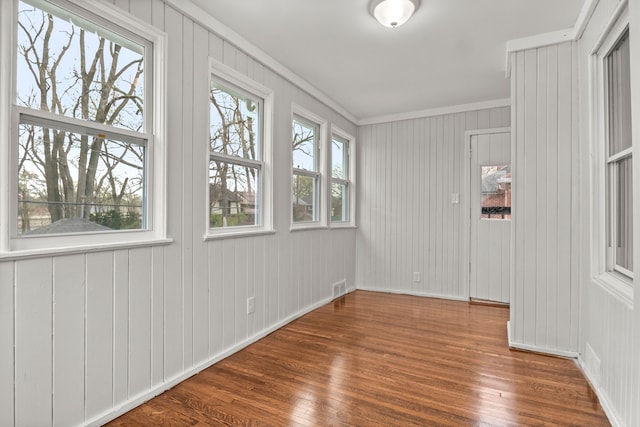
135 401
537 349
603 397
413 293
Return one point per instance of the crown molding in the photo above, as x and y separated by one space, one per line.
452 109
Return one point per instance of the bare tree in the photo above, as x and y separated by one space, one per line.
232 134
74 166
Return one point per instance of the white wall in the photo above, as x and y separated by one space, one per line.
546 157
96 332
406 221
610 328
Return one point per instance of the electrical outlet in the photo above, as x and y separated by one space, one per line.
416 276
251 305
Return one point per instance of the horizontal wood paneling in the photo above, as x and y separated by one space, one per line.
544 309
94 331
407 223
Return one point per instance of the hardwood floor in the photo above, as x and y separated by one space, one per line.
374 359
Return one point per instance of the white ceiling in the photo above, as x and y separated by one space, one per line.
451 52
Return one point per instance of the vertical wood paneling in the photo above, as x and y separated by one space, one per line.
609 327
6 343
188 50
139 363
68 340
541 196
121 301
157 316
33 351
407 223
96 330
240 288
552 165
215 270
228 256
565 161
544 311
99 328
199 168
173 308
141 9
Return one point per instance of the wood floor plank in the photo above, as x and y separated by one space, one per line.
375 359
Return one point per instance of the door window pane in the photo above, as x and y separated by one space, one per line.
496 192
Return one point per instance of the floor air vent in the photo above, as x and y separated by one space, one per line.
339 288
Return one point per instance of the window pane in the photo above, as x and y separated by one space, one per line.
304 198
77 69
339 202
496 192
619 88
70 183
624 220
339 158
233 197
304 146
234 123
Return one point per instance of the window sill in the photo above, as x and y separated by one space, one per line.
616 286
308 227
81 249
345 226
238 233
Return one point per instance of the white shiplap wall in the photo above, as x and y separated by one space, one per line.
546 242
96 333
610 334
407 171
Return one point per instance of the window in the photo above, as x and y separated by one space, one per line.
618 158
341 179
611 147
307 191
238 177
86 130
496 192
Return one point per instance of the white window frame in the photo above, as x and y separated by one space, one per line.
319 174
154 138
235 80
349 180
617 282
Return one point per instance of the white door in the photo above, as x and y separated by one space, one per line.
490 211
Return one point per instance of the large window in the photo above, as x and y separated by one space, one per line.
307 154
84 125
612 198
618 158
342 191
238 177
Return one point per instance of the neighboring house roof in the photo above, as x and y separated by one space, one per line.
244 197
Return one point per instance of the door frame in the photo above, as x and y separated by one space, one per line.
465 200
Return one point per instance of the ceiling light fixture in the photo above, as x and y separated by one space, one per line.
393 13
